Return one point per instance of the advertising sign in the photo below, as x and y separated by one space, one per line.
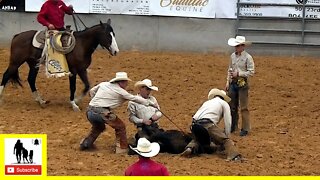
9 5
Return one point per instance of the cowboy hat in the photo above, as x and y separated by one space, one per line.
120 76
217 92
146 149
147 83
238 41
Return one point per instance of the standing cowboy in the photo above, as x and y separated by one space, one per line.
241 66
208 116
106 97
145 117
52 14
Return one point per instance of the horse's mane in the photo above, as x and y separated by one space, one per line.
94 26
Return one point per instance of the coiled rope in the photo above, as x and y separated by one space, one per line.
56 41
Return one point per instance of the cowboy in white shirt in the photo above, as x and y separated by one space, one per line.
107 96
208 116
241 67
145 117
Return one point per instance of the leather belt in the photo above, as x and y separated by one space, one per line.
202 121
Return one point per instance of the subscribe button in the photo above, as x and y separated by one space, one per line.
23 170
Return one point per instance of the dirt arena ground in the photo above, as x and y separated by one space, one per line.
284 104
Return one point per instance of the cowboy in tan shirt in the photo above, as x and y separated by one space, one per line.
241 67
209 115
107 96
145 117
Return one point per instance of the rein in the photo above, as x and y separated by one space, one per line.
74 15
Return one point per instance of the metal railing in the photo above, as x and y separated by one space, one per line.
302 31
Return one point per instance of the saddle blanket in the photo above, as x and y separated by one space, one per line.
56 62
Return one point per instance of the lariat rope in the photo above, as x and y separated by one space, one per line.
55 42
172 121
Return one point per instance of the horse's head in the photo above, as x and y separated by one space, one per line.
107 38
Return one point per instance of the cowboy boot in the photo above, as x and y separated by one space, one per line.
121 144
87 142
231 150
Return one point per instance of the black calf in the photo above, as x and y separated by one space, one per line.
173 141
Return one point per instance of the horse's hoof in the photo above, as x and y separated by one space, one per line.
44 104
76 109
77 101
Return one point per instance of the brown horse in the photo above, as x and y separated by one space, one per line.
78 60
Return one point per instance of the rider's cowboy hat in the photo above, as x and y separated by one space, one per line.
217 92
120 76
238 41
147 83
146 149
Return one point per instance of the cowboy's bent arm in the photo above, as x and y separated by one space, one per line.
156 116
154 100
228 75
132 113
229 71
67 9
94 90
250 68
42 17
226 117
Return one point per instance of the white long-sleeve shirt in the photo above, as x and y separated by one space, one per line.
111 95
138 112
215 109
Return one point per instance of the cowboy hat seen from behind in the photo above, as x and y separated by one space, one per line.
146 149
120 76
217 92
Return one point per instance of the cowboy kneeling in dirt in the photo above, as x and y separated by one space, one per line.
145 118
107 96
208 116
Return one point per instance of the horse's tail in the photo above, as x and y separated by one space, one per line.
12 72
14 77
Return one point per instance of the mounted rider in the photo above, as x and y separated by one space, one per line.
52 14
58 40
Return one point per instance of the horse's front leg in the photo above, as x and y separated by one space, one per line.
32 76
72 82
84 78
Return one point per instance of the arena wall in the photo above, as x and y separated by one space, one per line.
158 33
